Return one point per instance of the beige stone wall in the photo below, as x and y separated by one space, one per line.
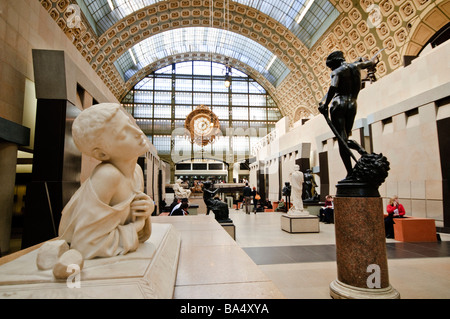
411 145
401 113
26 25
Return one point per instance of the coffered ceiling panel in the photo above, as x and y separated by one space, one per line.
296 35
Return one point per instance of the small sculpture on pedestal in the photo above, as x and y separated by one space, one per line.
342 94
179 190
297 219
296 192
219 208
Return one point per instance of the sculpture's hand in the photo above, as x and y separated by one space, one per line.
141 207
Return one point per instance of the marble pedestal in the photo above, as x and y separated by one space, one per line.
360 250
230 229
300 223
149 272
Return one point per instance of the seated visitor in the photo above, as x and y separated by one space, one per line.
281 206
326 212
109 214
177 206
394 210
181 211
176 201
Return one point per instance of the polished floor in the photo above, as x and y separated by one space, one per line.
303 265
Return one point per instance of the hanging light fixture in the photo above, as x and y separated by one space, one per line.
227 76
226 24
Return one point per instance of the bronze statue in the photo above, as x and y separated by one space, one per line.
309 187
219 208
342 94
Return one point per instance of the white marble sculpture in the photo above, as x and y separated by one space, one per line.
296 180
180 191
109 214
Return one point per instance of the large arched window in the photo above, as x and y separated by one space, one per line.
161 102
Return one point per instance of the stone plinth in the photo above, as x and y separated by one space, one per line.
230 229
300 223
193 209
197 199
360 250
148 272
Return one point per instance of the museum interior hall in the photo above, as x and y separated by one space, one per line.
299 100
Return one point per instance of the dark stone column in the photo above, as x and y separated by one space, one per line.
261 181
11 135
443 129
324 176
56 171
56 160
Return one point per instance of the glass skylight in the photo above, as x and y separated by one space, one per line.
307 19
201 39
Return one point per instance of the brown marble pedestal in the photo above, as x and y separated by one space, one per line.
360 250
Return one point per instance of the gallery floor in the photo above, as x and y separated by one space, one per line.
303 265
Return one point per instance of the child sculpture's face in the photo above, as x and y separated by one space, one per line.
124 139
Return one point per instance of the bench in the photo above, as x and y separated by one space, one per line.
414 229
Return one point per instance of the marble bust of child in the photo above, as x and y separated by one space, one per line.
109 215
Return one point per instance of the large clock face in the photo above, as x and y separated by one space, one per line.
203 125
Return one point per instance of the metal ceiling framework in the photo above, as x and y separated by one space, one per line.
363 27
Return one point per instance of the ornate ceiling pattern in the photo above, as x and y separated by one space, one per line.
402 27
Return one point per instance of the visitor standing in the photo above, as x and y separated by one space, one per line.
247 193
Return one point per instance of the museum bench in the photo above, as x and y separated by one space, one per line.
414 229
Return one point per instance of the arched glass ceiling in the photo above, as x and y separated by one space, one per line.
201 39
307 19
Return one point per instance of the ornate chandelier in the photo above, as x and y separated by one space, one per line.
203 125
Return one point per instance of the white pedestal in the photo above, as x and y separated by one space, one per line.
300 223
148 272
